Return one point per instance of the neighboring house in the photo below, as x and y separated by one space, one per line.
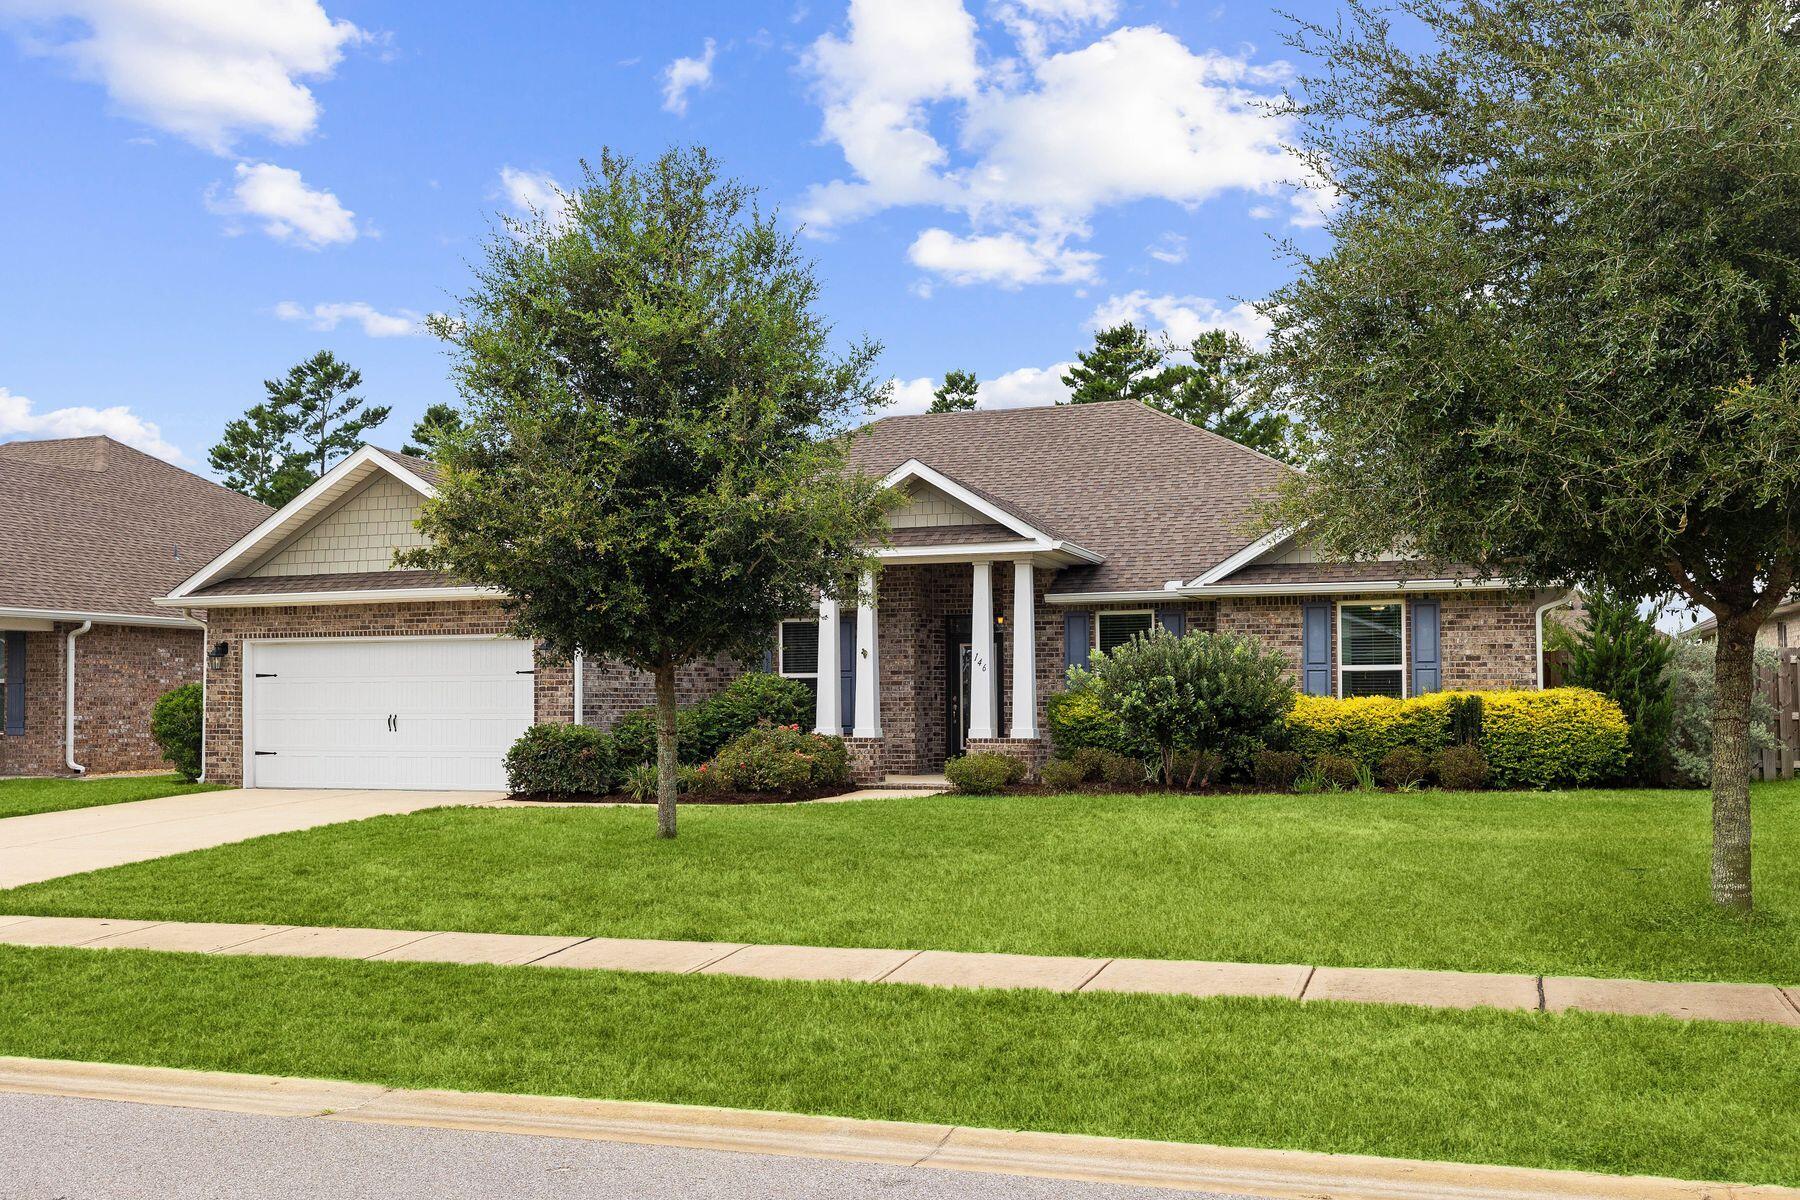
1780 632
1029 537
96 532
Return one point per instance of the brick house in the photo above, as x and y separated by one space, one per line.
1029 537
97 532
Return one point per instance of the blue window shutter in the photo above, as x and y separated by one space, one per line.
15 683
1315 649
847 673
1174 620
768 663
1078 638
1427 647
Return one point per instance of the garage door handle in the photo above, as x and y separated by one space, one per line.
524 672
266 675
394 724
265 754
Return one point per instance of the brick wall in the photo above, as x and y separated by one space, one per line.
120 670
613 689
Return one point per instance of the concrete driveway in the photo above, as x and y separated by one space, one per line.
47 845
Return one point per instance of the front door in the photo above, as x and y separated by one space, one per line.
958 678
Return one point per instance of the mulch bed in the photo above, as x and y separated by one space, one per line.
709 798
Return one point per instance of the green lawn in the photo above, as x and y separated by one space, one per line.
1608 883
19 797
1614 1094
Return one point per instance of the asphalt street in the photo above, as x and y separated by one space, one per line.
56 1148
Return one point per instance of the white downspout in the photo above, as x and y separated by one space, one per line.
69 701
1541 610
580 692
205 667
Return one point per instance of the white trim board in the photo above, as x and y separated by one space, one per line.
1038 540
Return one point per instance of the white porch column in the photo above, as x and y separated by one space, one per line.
868 663
981 654
830 710
1024 652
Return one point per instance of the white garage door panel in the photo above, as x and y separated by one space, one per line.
320 712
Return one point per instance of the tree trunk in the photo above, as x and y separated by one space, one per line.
667 754
1734 670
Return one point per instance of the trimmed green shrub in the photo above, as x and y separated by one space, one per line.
1063 774
1222 692
634 737
1078 721
1276 768
753 698
1122 770
1561 737
561 760
782 761
1340 770
1403 767
1092 761
1465 719
175 724
983 773
1460 768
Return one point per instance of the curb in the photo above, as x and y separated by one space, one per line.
1289 1174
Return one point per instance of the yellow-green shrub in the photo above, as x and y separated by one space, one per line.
1557 737
1367 727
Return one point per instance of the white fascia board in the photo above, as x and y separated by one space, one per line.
294 511
1353 586
49 616
1145 596
362 596
1244 557
1057 552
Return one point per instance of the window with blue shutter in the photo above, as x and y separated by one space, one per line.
1173 619
1078 638
1427 647
847 673
1315 649
12 696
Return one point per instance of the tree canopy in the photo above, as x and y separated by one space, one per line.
957 393
308 420
1205 383
437 422
652 471
1553 335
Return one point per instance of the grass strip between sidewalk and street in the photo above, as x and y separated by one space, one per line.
1592 883
1587 1092
22 797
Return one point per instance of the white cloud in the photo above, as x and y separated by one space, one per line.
375 323
1006 259
209 71
1170 248
1026 387
1183 318
534 194
685 75
19 419
873 85
1035 23
288 211
1039 146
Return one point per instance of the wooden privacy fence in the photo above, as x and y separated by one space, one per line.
1780 683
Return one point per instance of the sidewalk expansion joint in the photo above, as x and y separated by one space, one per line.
546 954
882 978
941 1143
1540 991
1104 963
1310 972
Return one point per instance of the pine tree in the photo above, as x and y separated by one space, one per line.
278 448
957 394
1126 363
1215 394
440 419
1620 653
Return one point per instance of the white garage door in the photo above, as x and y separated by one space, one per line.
402 712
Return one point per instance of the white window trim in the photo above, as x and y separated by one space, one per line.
1337 635
781 650
1123 612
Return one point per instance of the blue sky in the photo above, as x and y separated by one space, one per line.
204 192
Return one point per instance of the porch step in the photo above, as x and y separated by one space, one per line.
923 783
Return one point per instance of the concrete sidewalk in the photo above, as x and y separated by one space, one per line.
47 845
1763 1003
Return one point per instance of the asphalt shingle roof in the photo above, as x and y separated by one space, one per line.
94 526
1160 499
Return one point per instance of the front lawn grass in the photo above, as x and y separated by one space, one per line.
20 797
1601 1093
1609 883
